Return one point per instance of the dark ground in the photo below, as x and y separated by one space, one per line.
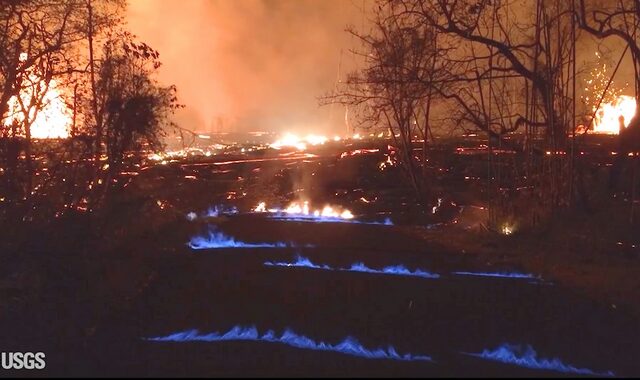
87 289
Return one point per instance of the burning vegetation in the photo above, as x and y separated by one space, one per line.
40 105
612 118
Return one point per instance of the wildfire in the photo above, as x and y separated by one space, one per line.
52 120
607 118
303 210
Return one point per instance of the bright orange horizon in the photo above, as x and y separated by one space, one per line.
252 64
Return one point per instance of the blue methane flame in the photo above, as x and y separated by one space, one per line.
324 219
526 356
499 274
218 210
349 346
301 262
399 270
215 239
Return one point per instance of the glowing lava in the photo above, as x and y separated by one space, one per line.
607 118
290 140
52 120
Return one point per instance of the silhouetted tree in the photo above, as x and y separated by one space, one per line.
394 87
135 109
616 19
46 40
34 36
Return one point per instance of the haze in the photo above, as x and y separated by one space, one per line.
248 65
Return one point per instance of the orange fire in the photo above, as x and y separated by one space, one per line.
607 118
290 140
302 208
52 120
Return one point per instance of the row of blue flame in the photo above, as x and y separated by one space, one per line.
220 210
217 240
399 270
523 356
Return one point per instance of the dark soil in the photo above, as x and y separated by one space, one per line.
86 289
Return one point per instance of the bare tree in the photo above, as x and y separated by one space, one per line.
33 38
134 107
498 66
394 88
49 43
619 19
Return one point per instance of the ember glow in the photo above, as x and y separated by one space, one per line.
52 121
293 141
607 118
507 229
290 140
175 155
389 162
398 270
358 152
527 357
348 346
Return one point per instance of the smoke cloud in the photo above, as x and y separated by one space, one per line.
247 65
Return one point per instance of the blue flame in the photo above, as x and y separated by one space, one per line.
386 222
324 219
500 274
399 270
526 356
215 239
301 262
348 346
218 210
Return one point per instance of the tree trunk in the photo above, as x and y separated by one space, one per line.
94 92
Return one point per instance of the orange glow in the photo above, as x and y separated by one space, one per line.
607 117
290 140
303 208
358 152
53 119
261 207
